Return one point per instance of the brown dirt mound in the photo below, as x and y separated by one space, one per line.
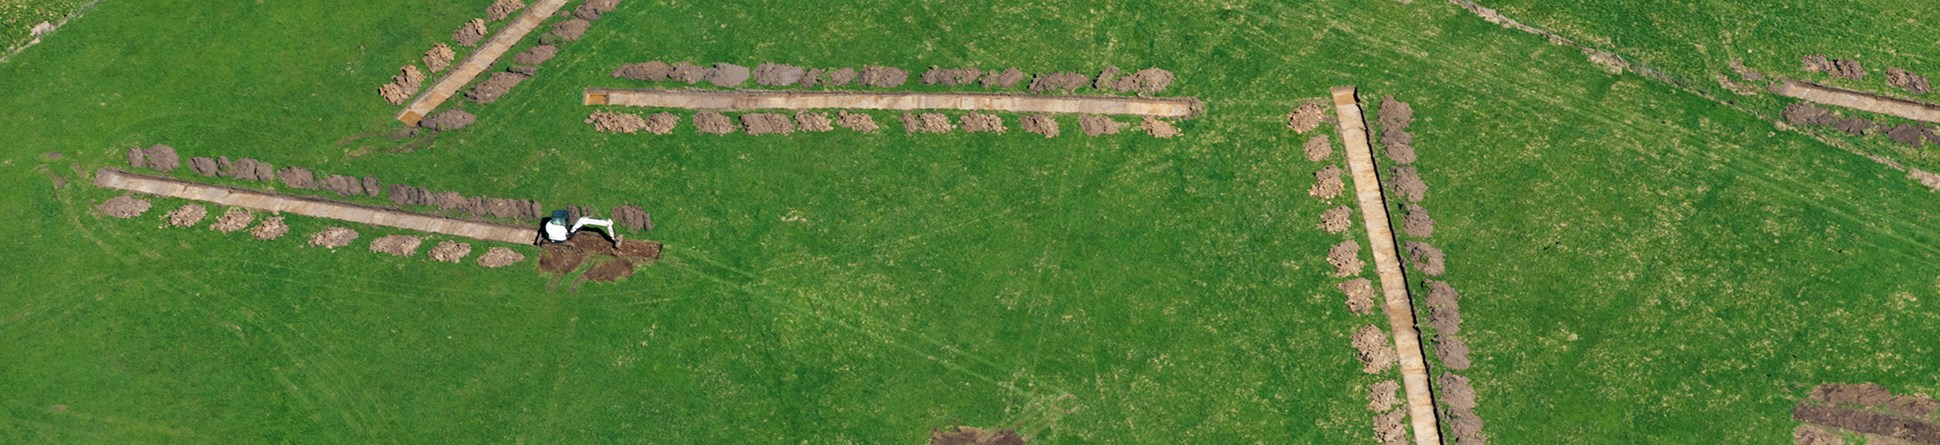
1399 145
1306 117
1440 294
497 257
1095 125
813 77
1360 295
814 121
633 217
1812 435
713 122
470 33
186 215
775 74
393 93
332 238
927 123
233 219
449 120
662 123
1375 352
611 122
566 31
1816 63
560 260
767 123
123 207
1804 113
343 185
1466 429
1415 221
1867 394
439 57
593 9
1060 83
494 87
400 245
410 78
1425 258
982 123
963 435
1908 134
1346 258
1907 80
271 228
1336 220
1395 114
1147 81
1107 79
841 77
1319 148
1854 126
1380 396
1452 350
1007 78
1457 395
950 76
536 55
883 77
653 71
251 170
688 72
1042 124
1389 428
203 166
501 9
1867 422
1159 128
404 195
727 75
856 121
450 251
162 158
297 178
1405 182
1327 183
1847 69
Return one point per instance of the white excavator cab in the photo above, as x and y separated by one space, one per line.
557 230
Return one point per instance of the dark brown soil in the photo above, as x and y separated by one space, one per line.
204 166
1804 113
610 270
137 158
1107 79
124 207
1467 429
501 9
1908 81
1868 423
687 72
1854 126
1452 350
1060 83
982 123
1390 428
1147 81
1374 349
1812 435
767 123
497 257
727 75
1907 134
611 122
271 228
653 71
1042 124
1337 219
560 260
400 245
1440 294
1457 395
1816 63
1380 396
186 215
856 121
233 219
951 76
1399 145
297 178
1158 128
1319 148
662 123
470 33
1346 258
813 77
1327 183
814 121
494 87
775 74
1360 295
1415 221
1306 117
963 435
448 120
633 217
1395 114
1008 78
1868 394
1424 258
713 122
343 185
593 9
404 195
566 31
883 77
334 237
439 57
1847 69
1403 181
840 77
1095 125
450 251
608 260
536 55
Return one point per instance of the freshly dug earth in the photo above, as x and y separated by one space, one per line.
124 207
963 435
653 71
233 219
883 77
1327 183
297 178
813 77
1405 182
1346 258
497 257
1867 422
1425 258
1415 221
439 57
1319 148
1907 80
1095 125
1847 69
1459 399
1854 126
1874 396
727 75
814 121
1440 294
186 215
1812 435
1395 114
1805 113
1376 354
470 33
1146 82
451 251
1005 79
332 238
775 74
560 259
982 123
1061 83
271 228
593 9
494 87
767 123
1360 295
1399 145
713 122
1380 396
1337 219
400 245
856 121
1816 63
343 185
632 217
610 270
1042 124
1452 350
536 55
841 77
1159 128
932 123
393 93
1389 428
566 31
564 258
448 120
203 166
662 123
501 9
1306 117
951 76
688 72
611 122
1907 134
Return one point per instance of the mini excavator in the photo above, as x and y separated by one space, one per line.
557 229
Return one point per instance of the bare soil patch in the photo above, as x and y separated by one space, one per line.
1360 295
1440 294
439 57
204 166
271 228
963 435
1389 428
1817 63
814 77
497 257
775 74
1806 113
501 9
123 207
1095 125
593 9
1452 350
856 121
935 123
688 72
1812 435
470 33
1327 183
1868 423
632 217
1854 126
536 55
713 122
653 71
1416 222
1395 114
1457 394
1847 69
1106 79
1907 81
1042 124
767 123
1147 81
1425 258
883 77
611 122
451 251
609 263
186 215
1407 183
1380 396
400 245
1907 134
233 219
951 76
1346 258
1399 145
566 31
814 121
727 75
343 185
982 123
1061 83
662 123
1319 148
1306 117
333 237
1375 353
1008 78
1337 219
448 120
841 76
1159 128
494 87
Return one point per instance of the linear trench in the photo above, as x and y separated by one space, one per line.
479 61
1397 304
1856 100
1173 107
307 206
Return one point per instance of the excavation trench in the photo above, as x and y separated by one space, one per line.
309 206
1858 100
479 61
1168 107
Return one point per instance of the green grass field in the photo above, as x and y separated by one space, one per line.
1639 263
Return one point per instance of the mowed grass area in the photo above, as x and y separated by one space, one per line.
1637 262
